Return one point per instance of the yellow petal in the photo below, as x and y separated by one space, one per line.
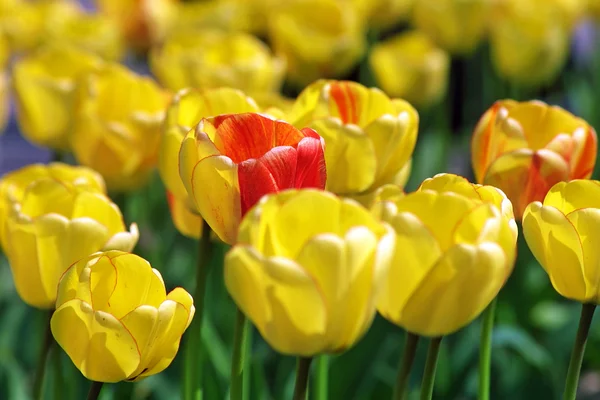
98 344
556 245
168 161
570 196
101 209
587 224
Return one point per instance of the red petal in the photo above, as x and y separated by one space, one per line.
346 101
246 136
271 173
310 171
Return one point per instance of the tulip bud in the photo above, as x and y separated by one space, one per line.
53 216
307 270
317 38
115 320
227 163
369 137
118 125
562 233
208 58
526 148
45 84
455 249
411 67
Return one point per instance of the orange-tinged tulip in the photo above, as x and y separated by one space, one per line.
53 218
115 319
187 222
45 84
526 148
455 249
369 137
317 38
118 125
410 66
227 163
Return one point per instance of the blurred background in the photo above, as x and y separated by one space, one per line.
450 58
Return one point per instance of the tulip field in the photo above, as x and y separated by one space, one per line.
302 199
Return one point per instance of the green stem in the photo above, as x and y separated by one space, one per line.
240 363
47 341
193 352
408 357
59 391
485 351
95 389
322 378
587 313
302 372
430 367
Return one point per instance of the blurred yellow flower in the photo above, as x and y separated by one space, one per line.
188 107
317 38
410 66
369 137
456 26
51 223
529 44
118 125
384 14
20 23
45 84
455 249
115 319
562 233
4 83
210 58
526 148
307 270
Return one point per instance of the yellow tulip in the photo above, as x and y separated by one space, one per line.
369 137
525 148
562 233
384 14
20 23
455 248
410 66
210 58
529 42
188 107
456 26
118 125
115 319
54 225
45 84
307 270
318 38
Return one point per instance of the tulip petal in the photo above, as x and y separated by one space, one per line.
587 224
187 223
97 343
98 207
570 196
168 161
556 245
310 171
356 104
456 290
214 187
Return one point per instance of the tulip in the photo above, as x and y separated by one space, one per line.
369 137
384 14
115 319
20 24
118 125
456 26
318 38
227 163
187 222
411 67
563 236
210 58
54 225
455 248
307 270
529 42
45 84
526 148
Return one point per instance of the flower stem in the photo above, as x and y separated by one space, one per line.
47 341
485 351
408 357
240 365
194 358
322 384
430 367
587 313
95 389
302 372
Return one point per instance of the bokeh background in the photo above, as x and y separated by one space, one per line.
535 328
